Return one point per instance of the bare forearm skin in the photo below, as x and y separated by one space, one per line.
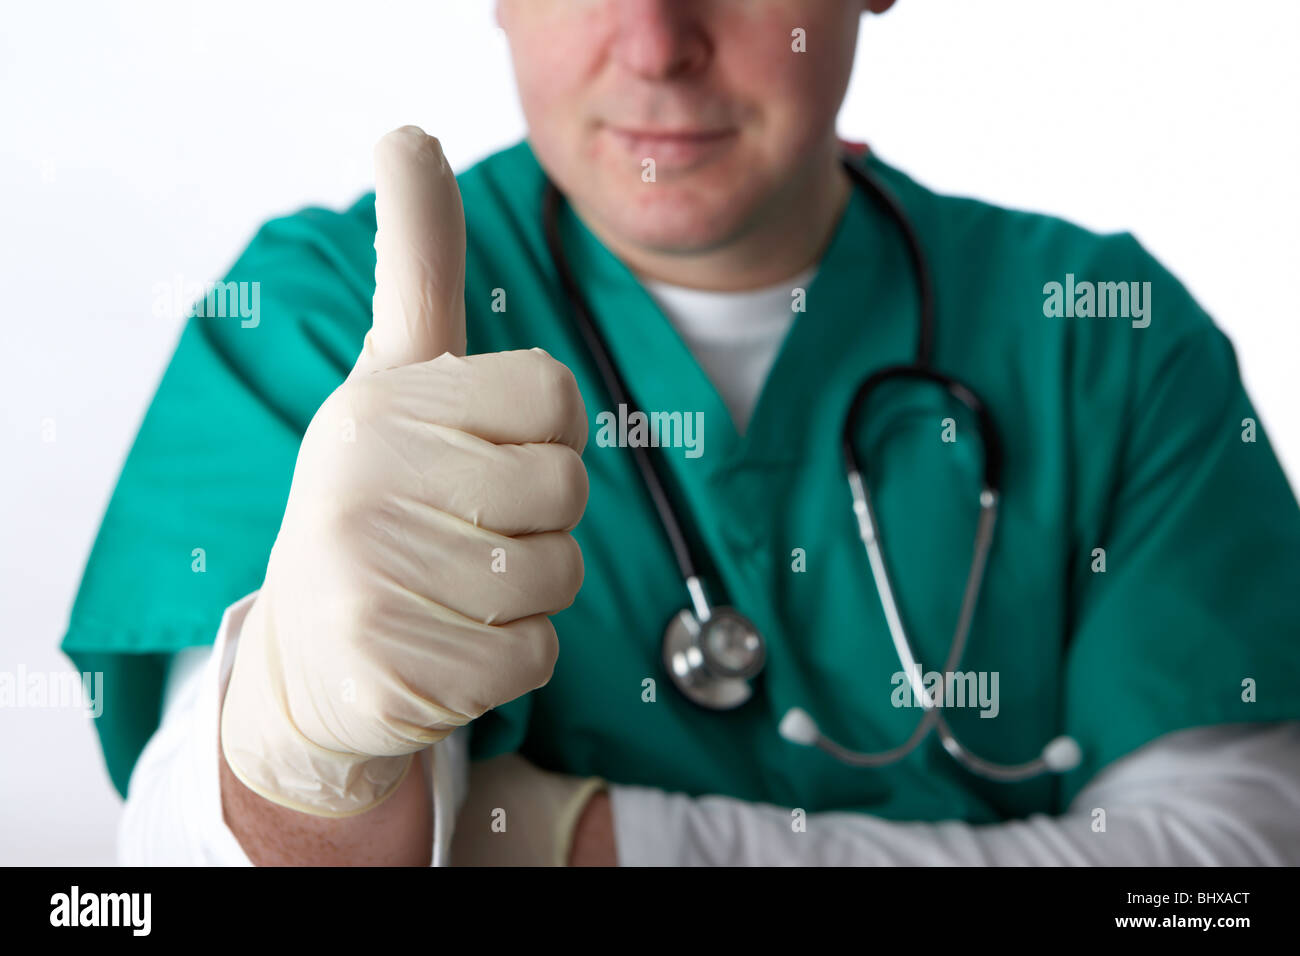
398 832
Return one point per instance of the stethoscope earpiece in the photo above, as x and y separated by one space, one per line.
798 727
1062 754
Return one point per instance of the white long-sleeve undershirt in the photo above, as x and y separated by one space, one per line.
1227 795
1218 795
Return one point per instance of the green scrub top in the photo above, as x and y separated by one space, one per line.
1116 437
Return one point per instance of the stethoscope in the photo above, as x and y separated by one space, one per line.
713 652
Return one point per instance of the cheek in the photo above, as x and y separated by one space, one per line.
555 55
794 92
546 82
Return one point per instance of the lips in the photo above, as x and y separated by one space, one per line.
681 147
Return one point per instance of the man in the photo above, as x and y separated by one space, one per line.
1138 598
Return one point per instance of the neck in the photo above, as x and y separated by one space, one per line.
786 235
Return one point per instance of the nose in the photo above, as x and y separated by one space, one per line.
659 39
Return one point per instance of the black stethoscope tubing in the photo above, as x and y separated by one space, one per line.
709 680
920 368
613 380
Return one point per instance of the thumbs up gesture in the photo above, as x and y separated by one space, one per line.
426 536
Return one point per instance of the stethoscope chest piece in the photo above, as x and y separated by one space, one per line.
713 661
712 654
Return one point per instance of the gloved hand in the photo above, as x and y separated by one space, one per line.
516 814
425 539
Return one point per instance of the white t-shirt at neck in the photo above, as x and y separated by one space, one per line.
734 336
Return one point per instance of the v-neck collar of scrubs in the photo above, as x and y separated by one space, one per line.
860 314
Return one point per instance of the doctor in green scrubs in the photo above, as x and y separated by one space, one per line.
1141 584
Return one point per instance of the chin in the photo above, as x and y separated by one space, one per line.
685 214
671 227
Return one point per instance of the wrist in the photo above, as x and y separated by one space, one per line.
266 751
593 834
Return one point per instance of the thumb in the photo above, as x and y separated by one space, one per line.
419 304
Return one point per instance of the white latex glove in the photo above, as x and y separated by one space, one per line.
516 814
425 539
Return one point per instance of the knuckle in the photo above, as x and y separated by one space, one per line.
570 568
529 655
560 391
550 374
572 485
542 650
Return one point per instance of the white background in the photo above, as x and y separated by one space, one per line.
143 140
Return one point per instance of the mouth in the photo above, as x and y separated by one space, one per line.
676 148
